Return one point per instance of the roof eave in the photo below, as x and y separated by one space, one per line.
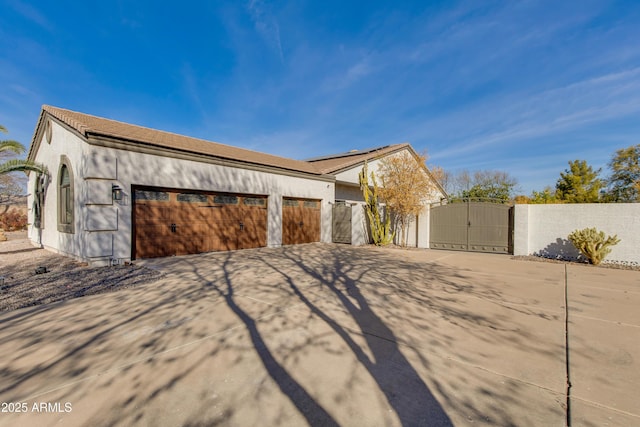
375 156
109 141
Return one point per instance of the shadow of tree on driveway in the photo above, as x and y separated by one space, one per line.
277 320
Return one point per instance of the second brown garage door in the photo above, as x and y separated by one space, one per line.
300 221
174 222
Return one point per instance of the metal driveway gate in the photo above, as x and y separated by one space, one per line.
341 223
472 226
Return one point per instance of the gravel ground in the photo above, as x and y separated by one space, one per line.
535 258
65 277
604 264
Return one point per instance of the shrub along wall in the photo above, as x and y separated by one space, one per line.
543 229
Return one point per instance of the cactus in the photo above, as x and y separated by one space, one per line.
380 231
593 244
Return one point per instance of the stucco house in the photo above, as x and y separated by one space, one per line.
117 192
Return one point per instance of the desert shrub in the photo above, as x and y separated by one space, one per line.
593 244
13 220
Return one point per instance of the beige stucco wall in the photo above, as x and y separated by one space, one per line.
103 228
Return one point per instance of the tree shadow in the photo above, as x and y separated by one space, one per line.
307 406
405 391
317 302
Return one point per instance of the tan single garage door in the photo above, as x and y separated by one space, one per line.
300 221
180 222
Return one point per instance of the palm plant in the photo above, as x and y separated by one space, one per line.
15 148
10 147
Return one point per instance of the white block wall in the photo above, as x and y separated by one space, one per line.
543 229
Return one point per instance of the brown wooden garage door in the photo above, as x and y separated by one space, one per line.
173 222
300 221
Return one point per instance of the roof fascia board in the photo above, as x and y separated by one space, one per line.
360 163
143 148
135 146
37 136
397 150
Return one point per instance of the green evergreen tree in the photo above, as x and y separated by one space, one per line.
624 182
579 183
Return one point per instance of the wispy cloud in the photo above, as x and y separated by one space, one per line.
267 25
191 88
578 104
349 75
521 86
32 14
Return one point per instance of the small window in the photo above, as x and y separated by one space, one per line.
290 202
192 198
162 196
66 203
225 199
65 197
38 201
255 201
47 132
311 204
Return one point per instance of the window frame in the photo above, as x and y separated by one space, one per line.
66 205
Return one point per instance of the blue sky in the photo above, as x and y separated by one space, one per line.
517 86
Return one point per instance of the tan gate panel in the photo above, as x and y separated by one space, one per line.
448 228
472 226
488 227
341 223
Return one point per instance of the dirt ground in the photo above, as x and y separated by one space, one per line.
63 279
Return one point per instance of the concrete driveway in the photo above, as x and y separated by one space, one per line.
333 335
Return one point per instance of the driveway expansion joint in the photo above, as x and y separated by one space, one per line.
566 345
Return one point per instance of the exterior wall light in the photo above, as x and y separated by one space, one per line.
117 192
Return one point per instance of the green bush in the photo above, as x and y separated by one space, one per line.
593 244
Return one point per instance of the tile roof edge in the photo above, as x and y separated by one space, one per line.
387 149
86 130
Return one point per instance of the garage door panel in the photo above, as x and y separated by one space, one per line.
190 244
152 248
153 231
253 235
311 224
152 214
180 222
188 214
300 221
